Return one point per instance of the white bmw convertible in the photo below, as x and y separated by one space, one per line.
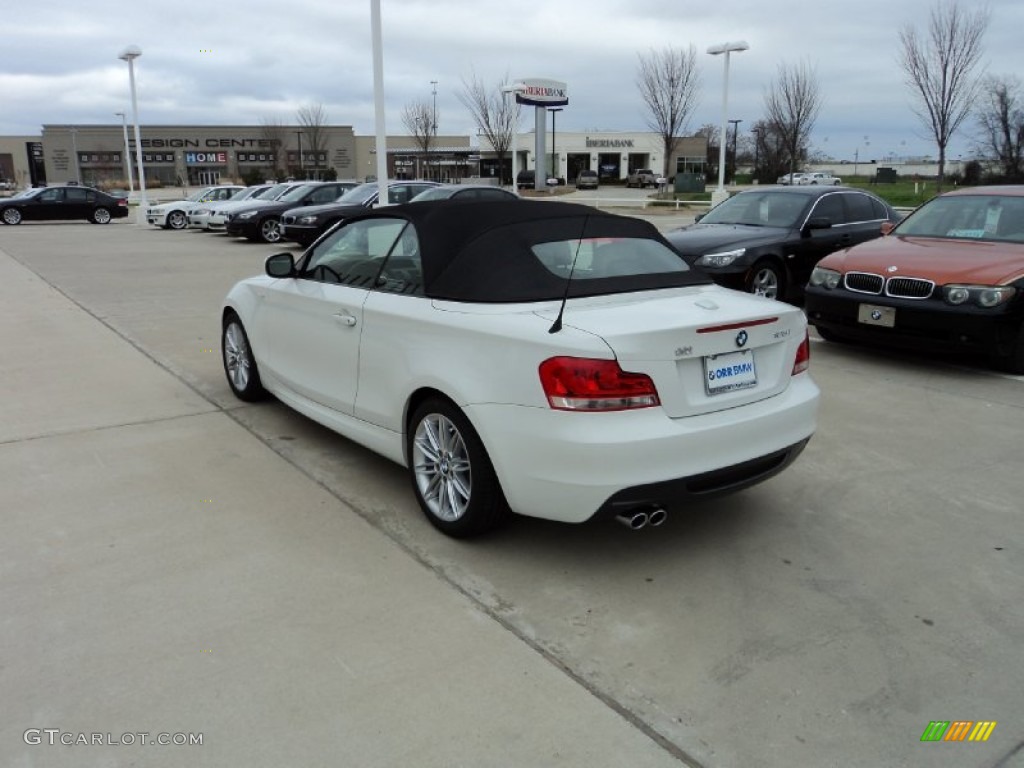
534 357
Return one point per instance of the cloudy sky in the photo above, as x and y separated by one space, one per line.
240 61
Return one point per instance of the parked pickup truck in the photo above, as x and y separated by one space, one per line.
819 177
642 177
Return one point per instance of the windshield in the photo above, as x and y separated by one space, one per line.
360 195
759 209
276 191
968 217
250 192
296 194
434 193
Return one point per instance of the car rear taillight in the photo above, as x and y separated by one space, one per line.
582 384
122 203
803 355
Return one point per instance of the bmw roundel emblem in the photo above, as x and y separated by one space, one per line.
876 315
741 338
892 269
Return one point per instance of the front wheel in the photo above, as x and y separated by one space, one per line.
270 230
177 220
12 216
239 363
452 476
1013 361
766 279
830 336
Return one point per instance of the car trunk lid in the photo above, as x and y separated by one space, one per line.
706 348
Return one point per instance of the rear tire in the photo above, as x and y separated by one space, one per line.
452 476
100 216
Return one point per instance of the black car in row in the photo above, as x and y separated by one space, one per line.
63 203
261 220
767 241
306 225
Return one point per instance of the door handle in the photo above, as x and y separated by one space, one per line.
345 318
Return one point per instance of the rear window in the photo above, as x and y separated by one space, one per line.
593 258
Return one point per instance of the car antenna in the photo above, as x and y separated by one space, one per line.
557 325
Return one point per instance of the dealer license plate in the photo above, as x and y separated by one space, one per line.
729 372
870 314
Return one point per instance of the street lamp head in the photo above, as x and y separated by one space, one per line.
739 45
129 53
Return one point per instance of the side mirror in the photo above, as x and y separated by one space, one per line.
280 265
818 222
698 217
887 227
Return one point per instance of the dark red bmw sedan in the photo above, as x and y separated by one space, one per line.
948 277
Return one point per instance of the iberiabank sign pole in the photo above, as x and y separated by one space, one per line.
541 93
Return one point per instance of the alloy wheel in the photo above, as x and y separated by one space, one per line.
441 467
237 357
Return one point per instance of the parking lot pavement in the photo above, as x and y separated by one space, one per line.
162 570
282 592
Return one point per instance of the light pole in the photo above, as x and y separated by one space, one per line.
515 88
856 154
127 153
298 135
432 133
727 48
735 127
554 156
74 149
757 149
129 54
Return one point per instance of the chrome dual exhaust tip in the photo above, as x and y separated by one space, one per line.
639 518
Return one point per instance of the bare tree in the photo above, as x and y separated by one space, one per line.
419 119
712 133
496 114
1001 122
669 83
771 157
792 103
939 67
313 119
274 131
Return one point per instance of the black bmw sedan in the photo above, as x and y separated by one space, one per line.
767 241
61 204
261 221
304 225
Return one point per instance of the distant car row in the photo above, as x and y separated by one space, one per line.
297 211
815 178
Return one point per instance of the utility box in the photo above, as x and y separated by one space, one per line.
689 182
886 176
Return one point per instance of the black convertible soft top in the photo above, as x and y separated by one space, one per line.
480 251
